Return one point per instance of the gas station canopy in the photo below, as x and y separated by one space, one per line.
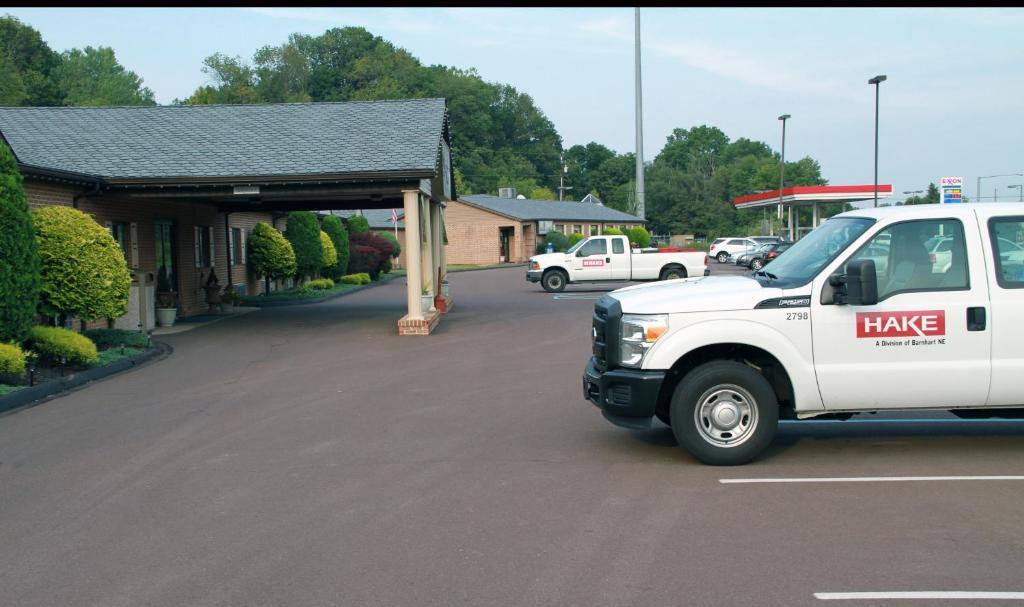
810 196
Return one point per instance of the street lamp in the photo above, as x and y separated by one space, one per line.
990 177
782 165
1020 188
877 80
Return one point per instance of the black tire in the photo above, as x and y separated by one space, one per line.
756 264
722 257
554 281
735 392
672 273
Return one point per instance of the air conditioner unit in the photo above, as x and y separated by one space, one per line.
545 226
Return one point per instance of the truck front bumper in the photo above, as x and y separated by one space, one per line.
626 397
534 275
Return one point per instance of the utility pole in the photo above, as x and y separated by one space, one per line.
782 167
877 80
561 182
639 129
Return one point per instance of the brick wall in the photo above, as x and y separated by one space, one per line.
474 235
43 194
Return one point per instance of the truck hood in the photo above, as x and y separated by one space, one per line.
704 294
548 259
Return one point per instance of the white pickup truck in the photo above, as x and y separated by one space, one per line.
609 258
858 316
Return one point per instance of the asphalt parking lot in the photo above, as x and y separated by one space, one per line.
309 456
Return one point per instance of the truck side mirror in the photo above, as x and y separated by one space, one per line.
859 286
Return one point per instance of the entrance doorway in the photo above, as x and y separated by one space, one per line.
166 251
506 244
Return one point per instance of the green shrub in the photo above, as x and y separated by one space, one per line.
339 238
394 243
12 360
303 231
52 343
19 260
356 279
557 239
613 232
115 338
357 224
575 237
83 269
320 284
330 258
270 254
640 236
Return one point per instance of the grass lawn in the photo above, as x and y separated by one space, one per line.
114 354
5 389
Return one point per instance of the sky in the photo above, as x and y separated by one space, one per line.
953 104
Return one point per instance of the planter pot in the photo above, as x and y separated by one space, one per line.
425 303
165 317
444 289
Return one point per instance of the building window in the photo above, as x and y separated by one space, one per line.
577 228
204 246
237 246
560 227
120 233
593 229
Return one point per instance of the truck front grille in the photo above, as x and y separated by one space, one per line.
605 334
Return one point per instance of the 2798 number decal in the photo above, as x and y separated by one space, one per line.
798 315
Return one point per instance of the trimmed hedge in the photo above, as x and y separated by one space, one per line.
395 246
334 227
330 258
19 259
357 224
613 232
12 360
115 338
270 254
303 231
83 268
356 279
640 236
51 343
560 242
575 237
320 284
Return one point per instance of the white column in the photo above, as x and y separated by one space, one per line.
444 253
426 251
789 213
436 244
816 216
411 199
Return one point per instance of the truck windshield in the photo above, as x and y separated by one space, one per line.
802 261
579 244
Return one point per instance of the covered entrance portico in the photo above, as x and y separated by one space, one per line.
810 196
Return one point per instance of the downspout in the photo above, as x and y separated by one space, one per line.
95 191
227 245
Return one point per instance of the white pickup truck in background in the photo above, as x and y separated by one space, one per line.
864 314
609 258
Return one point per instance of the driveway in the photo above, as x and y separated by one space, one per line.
309 456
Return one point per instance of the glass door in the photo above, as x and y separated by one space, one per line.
166 251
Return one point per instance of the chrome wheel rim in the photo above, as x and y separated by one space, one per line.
554 281
756 264
726 416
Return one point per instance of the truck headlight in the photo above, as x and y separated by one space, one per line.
639 333
534 265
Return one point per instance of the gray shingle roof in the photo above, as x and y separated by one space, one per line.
207 141
379 219
532 210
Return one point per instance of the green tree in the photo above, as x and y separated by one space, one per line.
93 77
83 273
270 254
930 197
395 245
303 231
330 254
27 65
19 260
640 236
575 237
357 224
334 227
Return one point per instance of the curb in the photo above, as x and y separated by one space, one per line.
36 394
302 302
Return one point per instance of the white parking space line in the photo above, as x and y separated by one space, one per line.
866 479
939 595
579 296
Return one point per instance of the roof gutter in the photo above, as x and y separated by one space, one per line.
58 175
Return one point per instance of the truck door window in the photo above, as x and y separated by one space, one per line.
596 246
617 247
1007 235
914 256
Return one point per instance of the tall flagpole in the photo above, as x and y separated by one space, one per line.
639 129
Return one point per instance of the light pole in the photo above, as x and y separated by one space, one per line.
877 80
978 191
640 207
914 192
1020 188
782 165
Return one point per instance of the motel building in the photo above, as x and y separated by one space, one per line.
181 187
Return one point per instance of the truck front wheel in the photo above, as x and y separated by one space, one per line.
724 413
554 281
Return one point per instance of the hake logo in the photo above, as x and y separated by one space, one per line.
918 323
593 263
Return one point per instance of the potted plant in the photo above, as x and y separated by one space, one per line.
212 288
229 299
425 300
166 309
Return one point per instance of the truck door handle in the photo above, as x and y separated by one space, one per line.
607 259
976 318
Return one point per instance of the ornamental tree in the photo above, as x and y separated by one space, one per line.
339 238
330 258
357 224
397 248
19 260
83 268
303 231
270 254
640 236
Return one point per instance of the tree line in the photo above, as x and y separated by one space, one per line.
499 136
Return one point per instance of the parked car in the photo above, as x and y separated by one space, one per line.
766 239
723 251
744 258
757 262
